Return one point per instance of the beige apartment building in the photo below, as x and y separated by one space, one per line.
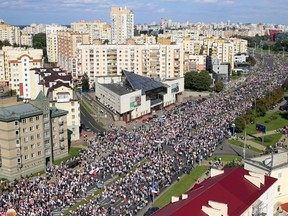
32 136
26 40
57 85
15 67
67 49
122 25
97 30
161 61
10 33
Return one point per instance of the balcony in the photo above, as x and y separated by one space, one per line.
61 130
61 138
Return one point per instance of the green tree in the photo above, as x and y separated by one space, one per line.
219 86
198 81
188 79
106 41
39 42
240 124
249 116
285 85
251 60
261 107
85 82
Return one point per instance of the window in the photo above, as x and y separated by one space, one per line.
72 110
39 153
26 157
24 121
26 148
37 127
16 122
33 146
37 118
33 155
31 119
38 144
32 128
278 188
38 136
32 137
26 139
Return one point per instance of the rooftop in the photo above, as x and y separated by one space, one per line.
118 89
237 188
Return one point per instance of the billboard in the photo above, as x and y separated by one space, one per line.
261 128
175 88
135 101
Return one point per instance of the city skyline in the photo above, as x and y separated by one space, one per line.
25 12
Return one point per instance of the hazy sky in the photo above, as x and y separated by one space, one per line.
20 12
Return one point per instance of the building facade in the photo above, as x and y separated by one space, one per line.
16 68
122 25
9 33
57 85
67 49
159 61
274 165
32 136
51 40
132 96
97 30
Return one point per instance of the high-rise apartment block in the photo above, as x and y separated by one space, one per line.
51 41
96 29
32 136
15 66
122 25
9 33
67 49
161 61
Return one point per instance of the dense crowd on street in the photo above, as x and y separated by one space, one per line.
146 158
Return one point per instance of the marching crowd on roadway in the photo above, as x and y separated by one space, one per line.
147 158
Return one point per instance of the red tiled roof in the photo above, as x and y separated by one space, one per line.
284 207
230 188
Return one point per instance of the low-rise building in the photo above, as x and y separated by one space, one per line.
132 96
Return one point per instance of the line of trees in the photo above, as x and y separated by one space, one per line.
260 107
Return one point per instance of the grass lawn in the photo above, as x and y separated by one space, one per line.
72 152
272 121
269 140
241 144
226 158
180 187
87 107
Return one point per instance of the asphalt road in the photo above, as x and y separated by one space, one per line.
89 121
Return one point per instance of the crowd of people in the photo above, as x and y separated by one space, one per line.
145 159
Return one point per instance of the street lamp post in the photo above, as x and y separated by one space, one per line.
233 129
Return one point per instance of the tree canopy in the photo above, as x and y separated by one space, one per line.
219 86
4 43
85 83
198 81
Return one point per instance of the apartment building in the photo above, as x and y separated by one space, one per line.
122 25
57 85
97 30
67 49
274 165
160 61
26 40
10 33
32 136
51 40
16 66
